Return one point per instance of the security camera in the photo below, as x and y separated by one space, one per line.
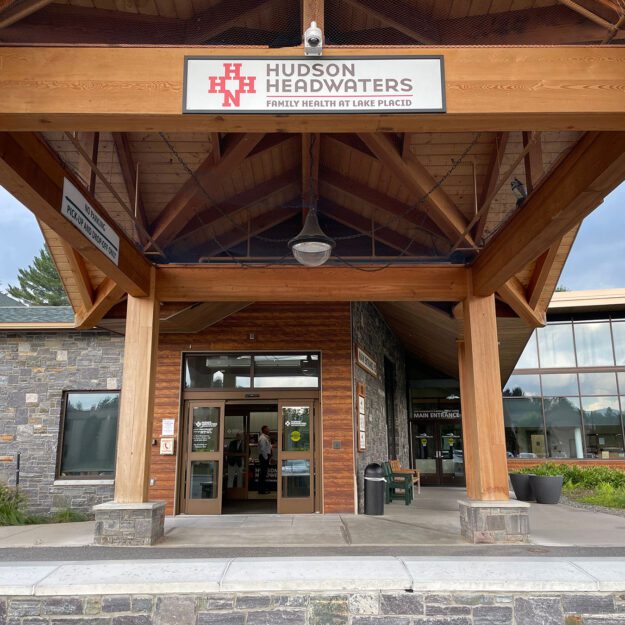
313 40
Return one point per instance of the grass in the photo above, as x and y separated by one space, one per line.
598 485
13 511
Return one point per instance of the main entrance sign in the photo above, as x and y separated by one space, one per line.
412 84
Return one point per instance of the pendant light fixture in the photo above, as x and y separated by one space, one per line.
312 247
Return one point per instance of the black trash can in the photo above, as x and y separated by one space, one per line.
375 486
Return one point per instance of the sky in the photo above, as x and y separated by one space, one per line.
597 260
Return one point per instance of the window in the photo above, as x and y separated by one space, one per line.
593 344
618 331
217 371
602 422
597 383
564 427
286 371
522 386
525 434
529 357
555 345
88 434
560 384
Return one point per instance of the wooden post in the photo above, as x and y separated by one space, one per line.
137 398
486 467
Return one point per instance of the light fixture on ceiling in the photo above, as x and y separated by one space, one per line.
519 191
312 247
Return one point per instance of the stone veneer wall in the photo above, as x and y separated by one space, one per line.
369 330
355 608
35 369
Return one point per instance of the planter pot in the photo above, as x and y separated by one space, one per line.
521 486
547 489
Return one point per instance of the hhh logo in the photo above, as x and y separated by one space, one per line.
232 78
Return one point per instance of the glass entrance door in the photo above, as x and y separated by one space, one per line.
203 464
295 457
437 451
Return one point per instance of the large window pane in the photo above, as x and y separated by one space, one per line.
564 427
529 357
560 384
555 345
602 422
295 428
296 478
597 383
618 331
593 344
522 386
217 371
525 436
621 382
89 435
204 479
205 429
286 371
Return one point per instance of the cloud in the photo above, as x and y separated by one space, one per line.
20 238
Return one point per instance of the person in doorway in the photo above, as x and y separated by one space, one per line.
264 455
235 461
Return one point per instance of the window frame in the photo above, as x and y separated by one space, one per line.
59 449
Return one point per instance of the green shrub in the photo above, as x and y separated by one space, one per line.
580 477
68 515
11 504
607 495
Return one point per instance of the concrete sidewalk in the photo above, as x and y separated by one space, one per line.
313 574
432 520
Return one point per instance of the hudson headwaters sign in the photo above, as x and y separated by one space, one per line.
412 84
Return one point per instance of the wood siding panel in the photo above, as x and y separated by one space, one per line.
299 326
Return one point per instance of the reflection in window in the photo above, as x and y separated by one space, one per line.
525 436
89 435
529 357
597 383
217 371
602 422
555 343
594 344
522 386
564 427
618 332
560 384
286 371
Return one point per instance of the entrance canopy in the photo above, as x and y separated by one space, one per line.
421 204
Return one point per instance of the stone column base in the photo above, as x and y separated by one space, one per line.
129 523
494 521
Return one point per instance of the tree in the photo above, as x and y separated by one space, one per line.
561 288
40 283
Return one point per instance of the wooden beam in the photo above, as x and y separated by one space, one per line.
482 405
234 236
313 11
139 89
551 25
136 408
575 186
16 11
327 284
401 16
129 173
213 216
593 17
389 207
419 182
32 173
215 147
80 274
540 275
219 18
311 144
197 317
182 206
106 296
513 294
492 177
534 166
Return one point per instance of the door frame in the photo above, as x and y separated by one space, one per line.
201 506
259 396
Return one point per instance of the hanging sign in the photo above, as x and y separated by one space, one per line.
366 362
76 209
299 84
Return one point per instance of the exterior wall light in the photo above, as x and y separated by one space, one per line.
519 191
311 247
313 40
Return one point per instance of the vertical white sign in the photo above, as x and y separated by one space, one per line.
75 208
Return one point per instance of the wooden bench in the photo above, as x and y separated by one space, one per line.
416 476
